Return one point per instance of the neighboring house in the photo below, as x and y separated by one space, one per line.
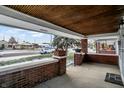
3 44
35 46
12 43
24 45
45 45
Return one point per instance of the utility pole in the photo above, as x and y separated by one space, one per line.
3 37
51 40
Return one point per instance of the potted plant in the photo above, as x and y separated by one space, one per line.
62 44
78 50
78 47
58 43
59 52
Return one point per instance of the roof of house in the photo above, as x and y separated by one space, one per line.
3 41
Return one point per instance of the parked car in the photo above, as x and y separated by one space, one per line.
1 53
46 50
52 50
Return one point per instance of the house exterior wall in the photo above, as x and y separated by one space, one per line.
3 43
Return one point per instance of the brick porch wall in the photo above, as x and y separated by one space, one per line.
29 77
102 58
33 76
107 52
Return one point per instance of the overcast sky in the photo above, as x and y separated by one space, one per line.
24 35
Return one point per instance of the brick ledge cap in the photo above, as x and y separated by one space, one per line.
60 57
25 65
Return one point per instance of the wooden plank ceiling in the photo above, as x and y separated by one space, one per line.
86 20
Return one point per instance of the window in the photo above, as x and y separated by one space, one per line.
91 46
107 46
19 45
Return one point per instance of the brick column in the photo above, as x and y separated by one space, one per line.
61 56
78 58
62 64
97 47
84 46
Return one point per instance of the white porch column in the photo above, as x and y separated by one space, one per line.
121 52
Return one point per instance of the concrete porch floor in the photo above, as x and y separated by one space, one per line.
85 76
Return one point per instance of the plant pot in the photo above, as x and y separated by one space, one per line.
59 52
77 50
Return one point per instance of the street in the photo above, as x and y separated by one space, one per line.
11 53
4 59
7 55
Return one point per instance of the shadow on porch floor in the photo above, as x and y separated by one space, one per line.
84 76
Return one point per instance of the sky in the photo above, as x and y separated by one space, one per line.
23 35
